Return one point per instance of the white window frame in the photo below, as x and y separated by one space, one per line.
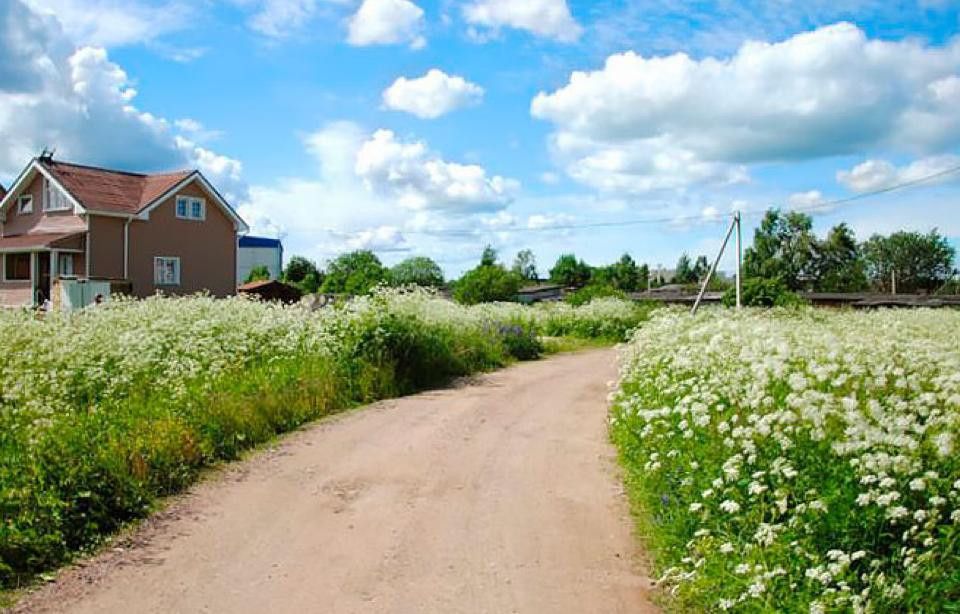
25 204
65 270
53 195
157 260
190 201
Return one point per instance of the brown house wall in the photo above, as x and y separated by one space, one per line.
106 246
40 221
207 249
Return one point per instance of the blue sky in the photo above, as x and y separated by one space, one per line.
413 127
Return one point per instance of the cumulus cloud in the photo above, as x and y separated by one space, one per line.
387 22
110 23
371 190
281 18
434 94
879 174
81 103
419 179
806 200
543 18
642 123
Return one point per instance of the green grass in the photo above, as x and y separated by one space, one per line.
796 460
107 411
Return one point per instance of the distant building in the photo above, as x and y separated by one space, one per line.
540 292
259 251
272 290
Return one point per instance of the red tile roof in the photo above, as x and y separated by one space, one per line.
100 189
49 239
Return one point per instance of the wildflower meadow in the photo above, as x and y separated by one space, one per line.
102 411
796 460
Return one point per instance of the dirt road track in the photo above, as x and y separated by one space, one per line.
498 496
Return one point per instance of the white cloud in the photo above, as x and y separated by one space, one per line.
434 94
419 179
378 239
387 22
641 123
110 23
543 18
806 200
540 221
81 103
879 174
372 190
281 18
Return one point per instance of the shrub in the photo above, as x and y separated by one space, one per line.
758 292
588 293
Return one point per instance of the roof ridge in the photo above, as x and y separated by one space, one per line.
118 172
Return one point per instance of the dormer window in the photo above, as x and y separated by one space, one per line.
53 198
25 204
191 208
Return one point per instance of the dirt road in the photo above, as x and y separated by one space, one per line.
497 496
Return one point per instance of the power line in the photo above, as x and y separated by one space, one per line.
690 218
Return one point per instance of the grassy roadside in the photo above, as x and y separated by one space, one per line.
148 395
795 460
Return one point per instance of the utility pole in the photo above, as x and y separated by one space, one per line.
734 223
893 281
736 218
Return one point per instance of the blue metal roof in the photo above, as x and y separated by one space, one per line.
259 242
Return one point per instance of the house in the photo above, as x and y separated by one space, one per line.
259 251
272 290
170 232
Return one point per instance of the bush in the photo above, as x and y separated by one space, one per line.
758 292
486 284
588 293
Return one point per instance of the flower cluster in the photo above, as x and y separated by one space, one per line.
807 456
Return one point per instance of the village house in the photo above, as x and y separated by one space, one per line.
143 233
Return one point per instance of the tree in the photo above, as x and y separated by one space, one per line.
683 273
839 265
303 274
919 261
569 271
418 271
643 276
354 273
700 268
489 256
784 248
525 265
258 273
297 269
487 283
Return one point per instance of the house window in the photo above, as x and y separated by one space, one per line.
53 198
25 204
166 271
65 264
191 208
16 267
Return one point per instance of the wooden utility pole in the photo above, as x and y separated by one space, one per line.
736 218
703 289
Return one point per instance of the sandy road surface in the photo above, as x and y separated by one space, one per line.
497 496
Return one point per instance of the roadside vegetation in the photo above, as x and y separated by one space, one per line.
796 460
102 411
